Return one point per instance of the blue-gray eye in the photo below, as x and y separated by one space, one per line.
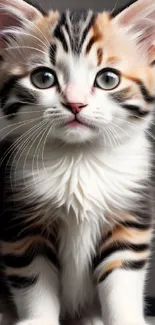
43 78
107 79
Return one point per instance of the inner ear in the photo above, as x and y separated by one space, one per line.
15 14
7 20
19 8
135 11
139 19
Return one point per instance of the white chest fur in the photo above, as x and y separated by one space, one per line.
87 182
82 184
78 243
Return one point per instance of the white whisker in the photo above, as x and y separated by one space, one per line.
37 135
12 146
44 136
37 28
21 32
14 114
36 152
44 143
115 6
17 145
24 47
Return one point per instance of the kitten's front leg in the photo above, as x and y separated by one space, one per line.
120 270
33 280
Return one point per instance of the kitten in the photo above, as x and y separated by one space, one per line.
77 97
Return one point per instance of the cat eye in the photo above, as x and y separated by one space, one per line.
107 79
43 78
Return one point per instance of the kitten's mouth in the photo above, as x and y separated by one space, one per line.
76 122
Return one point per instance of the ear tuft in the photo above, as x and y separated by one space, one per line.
139 9
116 11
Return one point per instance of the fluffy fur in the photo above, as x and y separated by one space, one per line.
76 220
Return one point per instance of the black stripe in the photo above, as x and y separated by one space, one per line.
64 22
12 230
21 282
64 19
117 11
116 248
135 110
53 50
12 234
11 110
121 95
105 275
18 261
152 63
134 265
132 224
23 95
145 93
59 34
26 95
90 44
76 18
8 86
126 224
23 260
85 32
24 98
106 237
51 255
128 265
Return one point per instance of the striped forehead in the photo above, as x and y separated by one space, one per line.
72 29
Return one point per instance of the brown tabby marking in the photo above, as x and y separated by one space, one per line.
110 267
112 60
121 234
21 246
99 56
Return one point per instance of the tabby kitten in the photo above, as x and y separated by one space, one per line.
77 97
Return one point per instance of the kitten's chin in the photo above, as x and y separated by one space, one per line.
77 134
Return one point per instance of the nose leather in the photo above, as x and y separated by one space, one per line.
75 107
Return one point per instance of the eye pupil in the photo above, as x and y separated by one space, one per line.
43 78
107 79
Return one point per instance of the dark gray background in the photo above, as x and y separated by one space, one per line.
97 5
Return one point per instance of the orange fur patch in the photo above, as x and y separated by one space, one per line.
110 267
19 247
122 234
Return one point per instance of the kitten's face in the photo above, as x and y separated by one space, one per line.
80 77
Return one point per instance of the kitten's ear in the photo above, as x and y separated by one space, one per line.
135 11
139 18
15 14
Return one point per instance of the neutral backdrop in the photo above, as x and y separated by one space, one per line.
99 5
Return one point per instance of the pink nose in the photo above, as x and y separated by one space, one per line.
75 107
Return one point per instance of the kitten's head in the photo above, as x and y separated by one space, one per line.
79 76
